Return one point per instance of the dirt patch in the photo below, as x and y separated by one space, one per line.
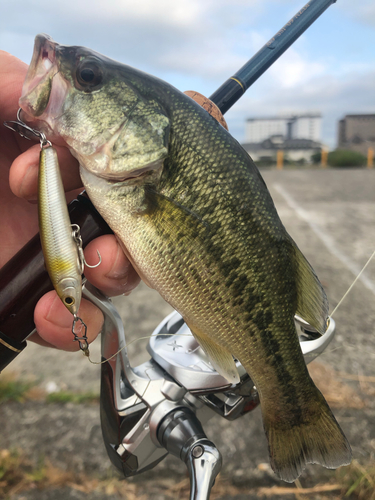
338 393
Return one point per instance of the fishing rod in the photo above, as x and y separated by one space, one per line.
235 87
23 279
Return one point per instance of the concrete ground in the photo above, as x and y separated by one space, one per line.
331 216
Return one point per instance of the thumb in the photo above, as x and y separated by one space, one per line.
54 322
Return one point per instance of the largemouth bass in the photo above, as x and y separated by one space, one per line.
199 225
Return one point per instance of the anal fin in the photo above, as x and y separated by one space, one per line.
312 303
220 358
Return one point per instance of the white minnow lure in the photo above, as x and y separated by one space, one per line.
60 249
61 241
62 252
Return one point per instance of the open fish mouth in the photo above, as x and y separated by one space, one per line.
44 89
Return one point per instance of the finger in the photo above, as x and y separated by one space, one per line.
115 275
23 175
54 322
12 75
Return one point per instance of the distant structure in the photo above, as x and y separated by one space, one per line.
357 132
303 126
296 150
298 136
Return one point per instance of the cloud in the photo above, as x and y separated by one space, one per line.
295 70
214 57
197 45
334 96
163 12
363 12
157 35
185 15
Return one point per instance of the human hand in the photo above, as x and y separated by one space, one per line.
19 220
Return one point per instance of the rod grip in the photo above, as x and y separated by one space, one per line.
9 349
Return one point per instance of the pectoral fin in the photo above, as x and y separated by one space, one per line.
220 358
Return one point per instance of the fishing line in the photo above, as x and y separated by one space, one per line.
342 300
187 335
352 285
135 340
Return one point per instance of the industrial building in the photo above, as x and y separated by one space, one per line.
357 132
298 136
302 126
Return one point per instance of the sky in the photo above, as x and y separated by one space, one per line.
198 44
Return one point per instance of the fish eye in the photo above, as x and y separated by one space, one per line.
69 301
89 74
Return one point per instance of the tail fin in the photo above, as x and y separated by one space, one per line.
317 439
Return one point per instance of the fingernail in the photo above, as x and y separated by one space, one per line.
58 315
120 268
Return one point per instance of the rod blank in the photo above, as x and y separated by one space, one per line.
229 93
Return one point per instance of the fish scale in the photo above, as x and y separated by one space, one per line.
195 218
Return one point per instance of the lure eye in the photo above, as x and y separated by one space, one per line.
69 301
89 74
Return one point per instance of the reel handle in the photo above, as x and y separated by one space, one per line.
181 433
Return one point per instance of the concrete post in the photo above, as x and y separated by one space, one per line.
370 158
324 158
280 159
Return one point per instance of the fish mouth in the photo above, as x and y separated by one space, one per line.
44 89
138 174
133 176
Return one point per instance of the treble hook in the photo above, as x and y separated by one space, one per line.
78 239
20 127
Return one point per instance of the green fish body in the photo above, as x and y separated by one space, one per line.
199 225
